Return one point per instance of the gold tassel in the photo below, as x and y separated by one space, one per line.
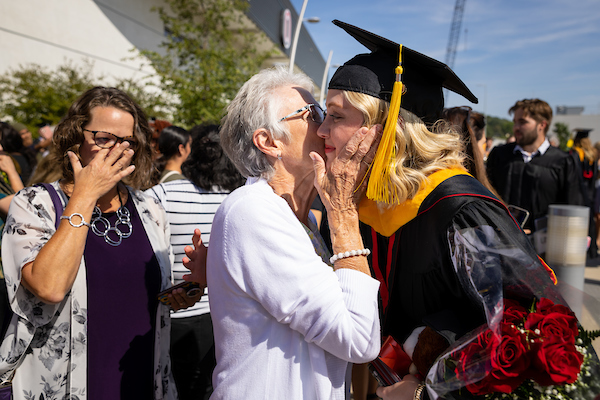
379 182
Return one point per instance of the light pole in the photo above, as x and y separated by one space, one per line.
325 75
297 33
484 97
324 81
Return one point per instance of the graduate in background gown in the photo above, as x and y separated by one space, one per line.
585 157
530 173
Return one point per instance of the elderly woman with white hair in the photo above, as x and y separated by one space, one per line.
289 318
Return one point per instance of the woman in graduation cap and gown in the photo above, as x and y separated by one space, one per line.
445 249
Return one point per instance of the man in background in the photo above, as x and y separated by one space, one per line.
530 173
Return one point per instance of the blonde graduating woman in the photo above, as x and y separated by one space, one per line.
444 248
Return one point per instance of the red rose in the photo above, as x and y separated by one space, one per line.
556 363
546 306
474 353
509 361
480 388
474 359
514 313
553 325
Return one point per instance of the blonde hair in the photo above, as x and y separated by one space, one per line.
585 144
419 151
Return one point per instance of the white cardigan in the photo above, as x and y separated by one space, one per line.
286 325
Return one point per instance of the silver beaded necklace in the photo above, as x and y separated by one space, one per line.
102 227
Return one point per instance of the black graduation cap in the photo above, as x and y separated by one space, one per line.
375 73
582 133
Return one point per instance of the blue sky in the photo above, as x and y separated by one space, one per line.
508 50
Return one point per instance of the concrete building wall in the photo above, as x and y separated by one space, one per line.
51 32
580 122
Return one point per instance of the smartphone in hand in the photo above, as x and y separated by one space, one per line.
191 289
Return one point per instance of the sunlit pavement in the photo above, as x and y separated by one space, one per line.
590 318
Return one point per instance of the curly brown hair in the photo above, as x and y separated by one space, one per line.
69 132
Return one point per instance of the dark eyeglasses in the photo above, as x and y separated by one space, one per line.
315 111
106 140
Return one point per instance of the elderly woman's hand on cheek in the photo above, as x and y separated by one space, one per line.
403 390
342 187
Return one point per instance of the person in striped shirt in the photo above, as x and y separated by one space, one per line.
191 204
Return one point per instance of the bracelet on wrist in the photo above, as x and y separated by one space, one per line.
351 253
419 392
70 218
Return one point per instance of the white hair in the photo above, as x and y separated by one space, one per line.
256 106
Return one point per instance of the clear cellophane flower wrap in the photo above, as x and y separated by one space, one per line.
532 346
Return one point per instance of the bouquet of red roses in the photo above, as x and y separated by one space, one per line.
531 345
536 353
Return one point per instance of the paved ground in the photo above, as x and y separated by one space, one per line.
591 310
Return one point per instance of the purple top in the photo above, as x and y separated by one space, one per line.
122 284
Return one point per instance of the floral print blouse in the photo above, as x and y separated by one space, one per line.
48 342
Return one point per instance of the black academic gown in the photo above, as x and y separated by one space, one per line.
588 174
551 178
451 266
420 284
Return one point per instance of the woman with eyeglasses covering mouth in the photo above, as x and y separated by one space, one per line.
85 258
288 316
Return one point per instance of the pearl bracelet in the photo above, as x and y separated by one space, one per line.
70 218
351 253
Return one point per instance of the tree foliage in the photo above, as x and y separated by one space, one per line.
207 55
32 94
143 91
562 132
35 95
499 128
